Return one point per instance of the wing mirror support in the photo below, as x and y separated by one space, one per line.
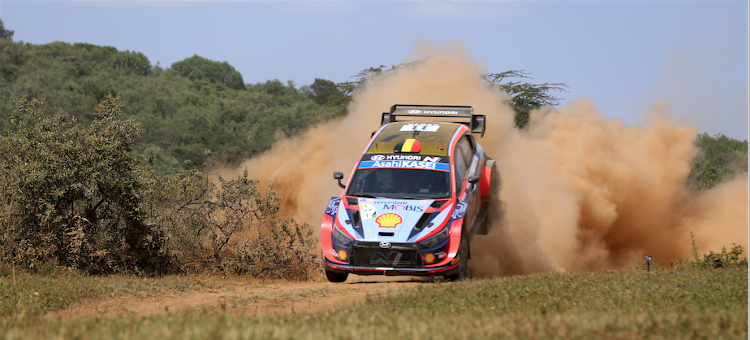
339 176
472 181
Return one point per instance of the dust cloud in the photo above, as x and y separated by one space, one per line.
578 191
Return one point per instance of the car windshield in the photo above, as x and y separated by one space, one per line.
400 183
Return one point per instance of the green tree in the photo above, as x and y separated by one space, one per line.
525 96
719 158
5 34
323 91
133 62
197 67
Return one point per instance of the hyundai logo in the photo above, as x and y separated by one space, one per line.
377 158
385 245
414 111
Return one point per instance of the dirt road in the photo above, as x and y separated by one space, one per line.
246 295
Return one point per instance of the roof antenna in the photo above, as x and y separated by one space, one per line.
415 131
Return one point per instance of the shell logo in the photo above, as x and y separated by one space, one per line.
389 220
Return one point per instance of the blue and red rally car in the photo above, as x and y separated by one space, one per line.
418 195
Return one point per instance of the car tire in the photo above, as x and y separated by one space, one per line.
336 277
484 227
463 266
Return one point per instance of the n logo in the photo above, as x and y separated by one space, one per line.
393 258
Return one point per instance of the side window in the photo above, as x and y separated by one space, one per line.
461 167
471 143
465 145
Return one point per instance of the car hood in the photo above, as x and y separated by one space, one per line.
393 220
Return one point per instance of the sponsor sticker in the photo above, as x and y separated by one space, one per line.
403 207
432 112
401 157
405 164
389 220
367 210
421 127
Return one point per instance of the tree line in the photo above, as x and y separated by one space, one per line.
194 105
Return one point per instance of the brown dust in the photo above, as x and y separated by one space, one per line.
578 191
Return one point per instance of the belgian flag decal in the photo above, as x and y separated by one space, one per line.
409 145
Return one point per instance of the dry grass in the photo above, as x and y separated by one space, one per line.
683 303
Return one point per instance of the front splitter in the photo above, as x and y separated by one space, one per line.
389 271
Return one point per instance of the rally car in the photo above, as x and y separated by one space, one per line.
418 195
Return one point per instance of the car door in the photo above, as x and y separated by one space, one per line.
467 165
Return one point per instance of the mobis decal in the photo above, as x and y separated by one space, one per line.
403 207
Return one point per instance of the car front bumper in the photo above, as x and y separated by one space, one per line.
449 269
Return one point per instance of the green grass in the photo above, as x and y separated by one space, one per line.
669 304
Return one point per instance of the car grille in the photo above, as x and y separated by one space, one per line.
399 255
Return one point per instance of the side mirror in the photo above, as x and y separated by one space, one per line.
472 181
337 175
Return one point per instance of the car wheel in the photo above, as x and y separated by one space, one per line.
336 277
484 227
463 266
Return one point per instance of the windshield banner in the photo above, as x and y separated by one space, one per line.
406 157
405 164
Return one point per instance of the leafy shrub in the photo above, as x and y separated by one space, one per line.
732 258
69 194
230 226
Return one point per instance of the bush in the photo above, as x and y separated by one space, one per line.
231 226
69 194
732 258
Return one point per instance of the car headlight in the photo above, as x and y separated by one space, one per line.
341 237
435 239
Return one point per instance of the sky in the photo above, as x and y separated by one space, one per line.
625 55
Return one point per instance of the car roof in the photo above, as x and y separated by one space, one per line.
434 137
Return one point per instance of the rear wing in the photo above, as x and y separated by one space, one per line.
476 123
